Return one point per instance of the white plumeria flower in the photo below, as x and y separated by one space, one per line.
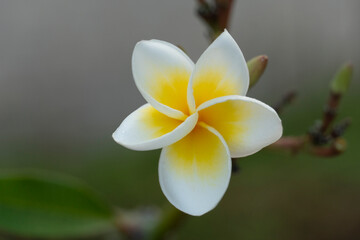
199 115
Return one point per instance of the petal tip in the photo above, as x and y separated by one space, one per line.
139 44
197 213
226 32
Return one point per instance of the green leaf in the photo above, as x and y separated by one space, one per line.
341 81
257 66
48 206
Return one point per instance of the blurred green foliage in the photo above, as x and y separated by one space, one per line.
48 206
275 196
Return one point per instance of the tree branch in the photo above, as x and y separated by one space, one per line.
168 222
215 15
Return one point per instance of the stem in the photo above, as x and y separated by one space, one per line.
223 10
293 144
167 223
335 149
302 143
216 15
330 111
235 168
286 100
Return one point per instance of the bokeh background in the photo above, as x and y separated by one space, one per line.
66 85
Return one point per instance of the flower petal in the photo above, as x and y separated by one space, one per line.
147 129
194 172
246 124
162 73
220 71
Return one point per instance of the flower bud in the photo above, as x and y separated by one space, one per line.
256 67
341 81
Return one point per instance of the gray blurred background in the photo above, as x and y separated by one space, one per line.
65 72
66 84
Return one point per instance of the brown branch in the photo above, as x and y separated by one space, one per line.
302 143
330 111
216 15
323 139
286 100
335 149
235 168
291 143
223 11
